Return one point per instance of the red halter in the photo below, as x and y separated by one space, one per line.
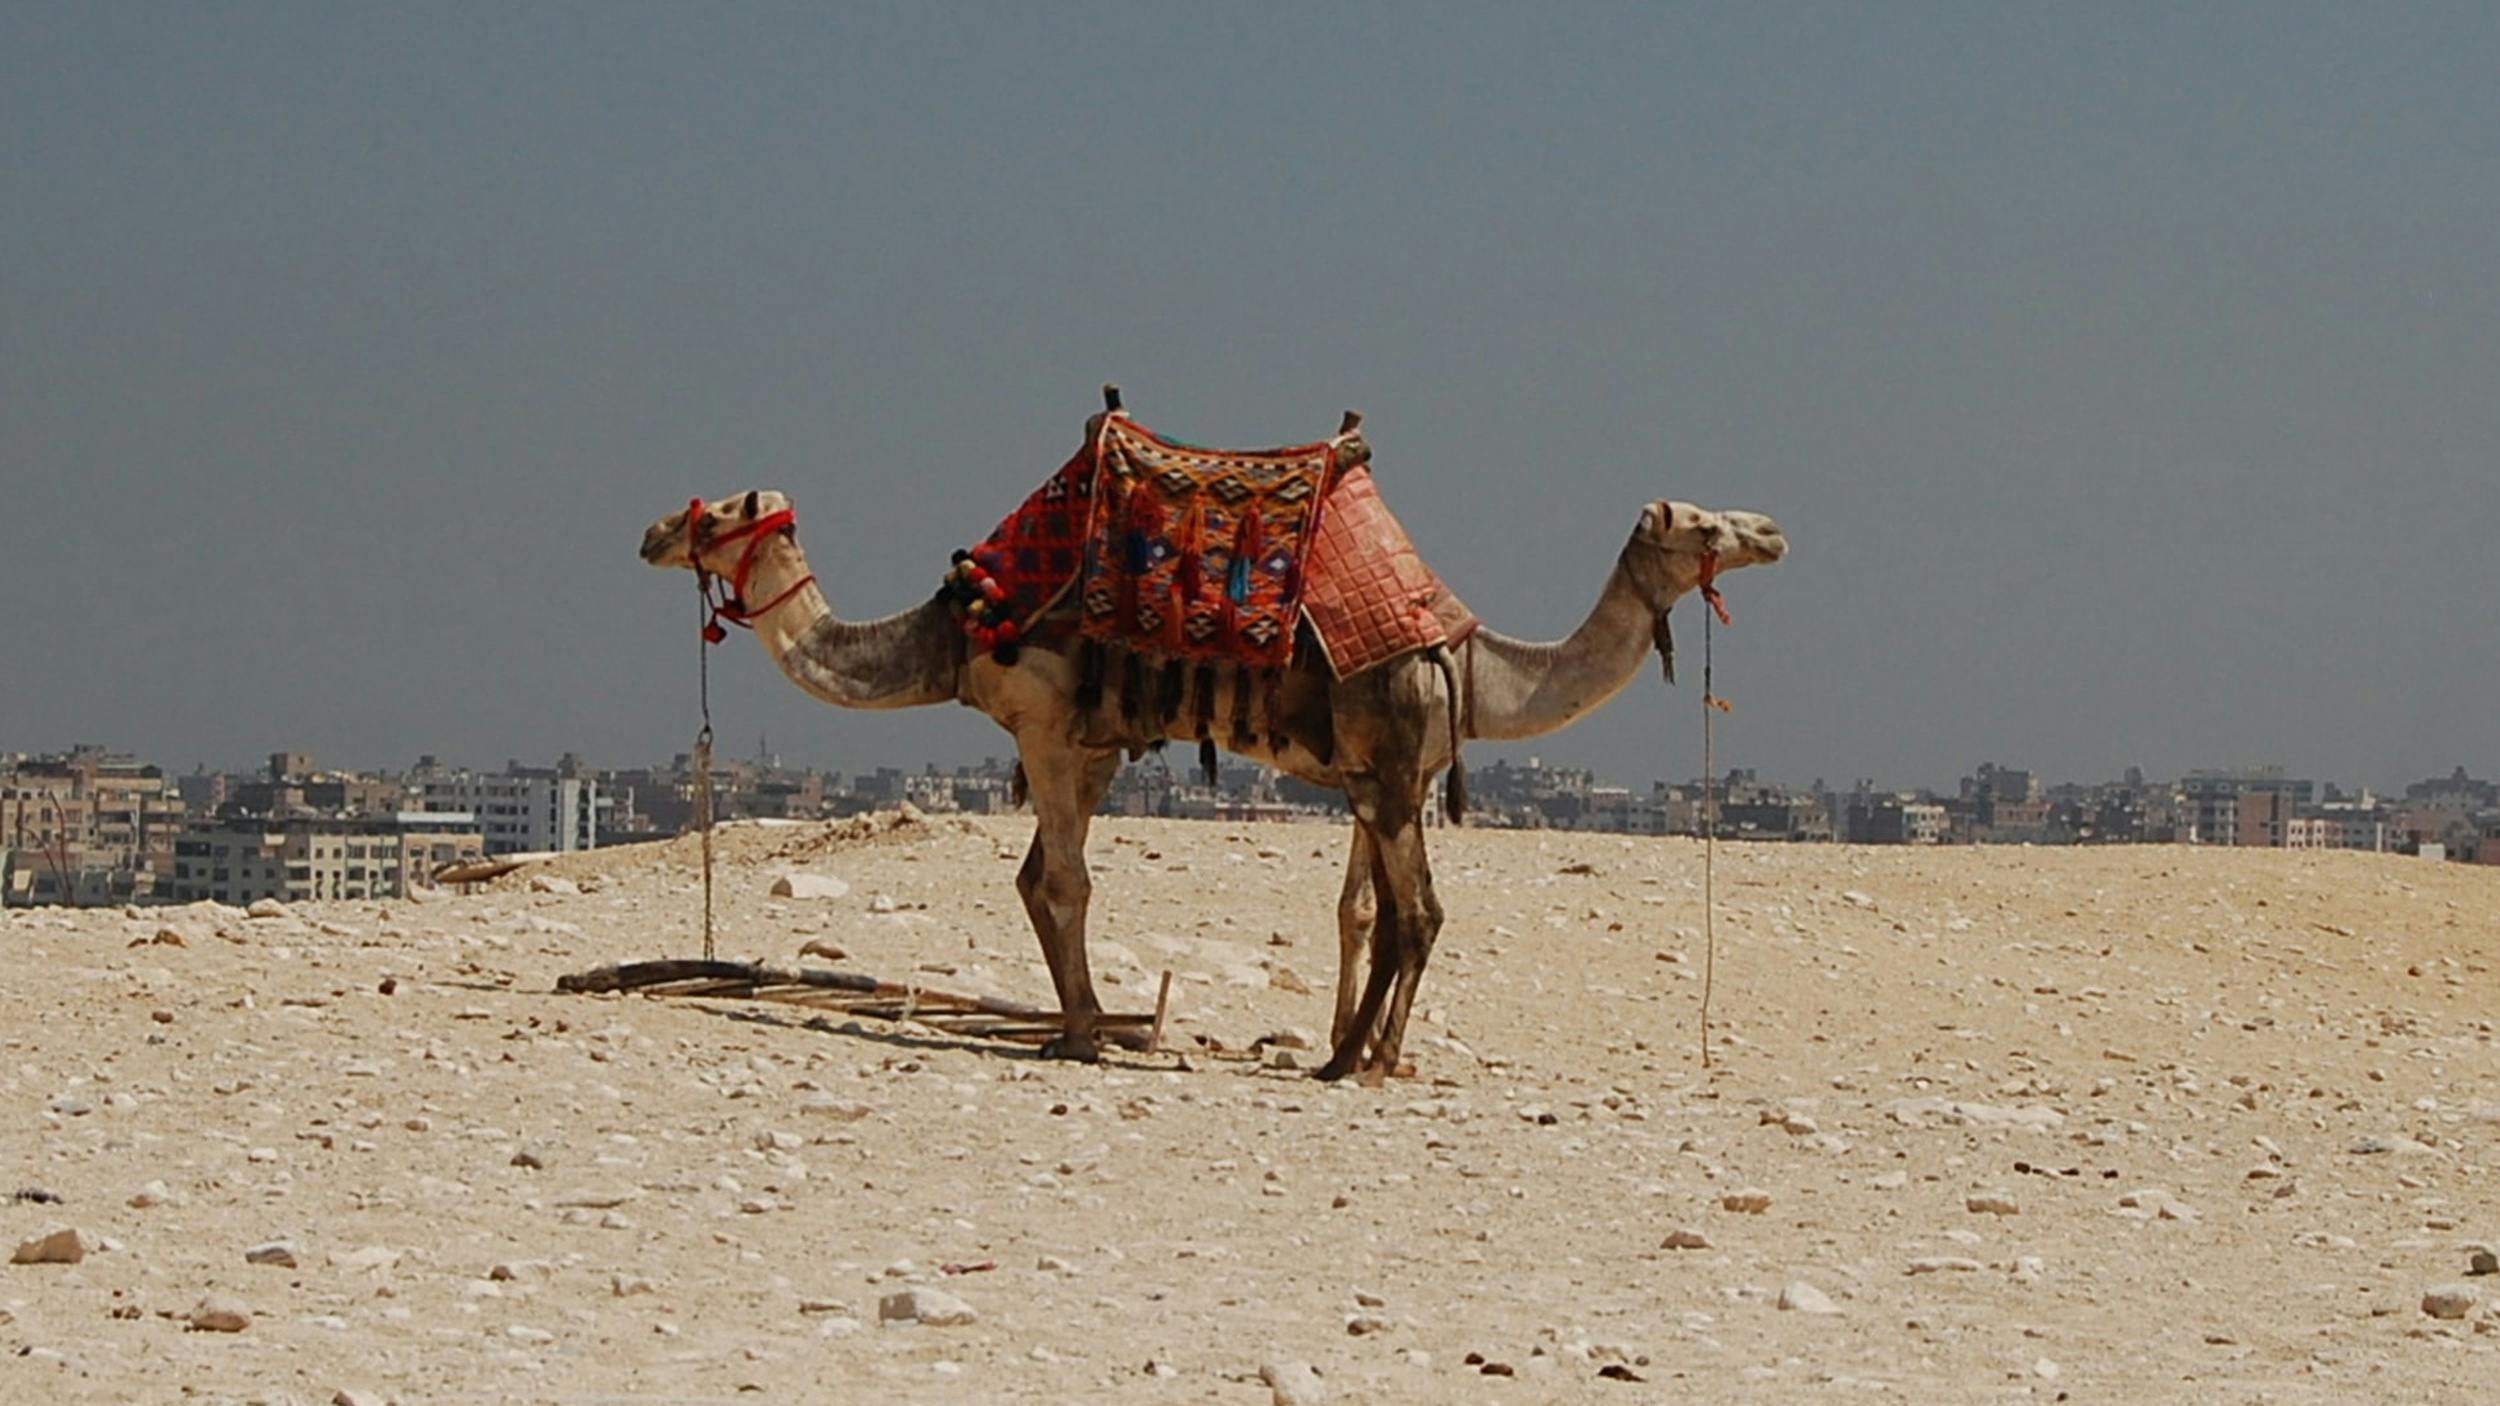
1709 592
729 604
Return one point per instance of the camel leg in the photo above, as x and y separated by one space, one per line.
1387 927
1356 912
1407 871
1067 783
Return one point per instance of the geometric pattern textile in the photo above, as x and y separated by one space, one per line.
1199 554
1205 555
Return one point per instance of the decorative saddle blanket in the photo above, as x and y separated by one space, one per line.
1203 555
1371 597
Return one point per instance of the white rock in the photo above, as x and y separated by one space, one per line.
152 1194
553 883
1951 1112
1992 1204
626 1286
265 908
2451 1301
220 1313
63 1246
277 1252
796 885
1802 1297
1293 1383
881 903
933 1308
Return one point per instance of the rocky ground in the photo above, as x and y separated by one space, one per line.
2116 1125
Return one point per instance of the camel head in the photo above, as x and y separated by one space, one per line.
1674 539
712 541
1679 548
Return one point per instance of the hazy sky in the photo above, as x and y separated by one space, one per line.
2126 377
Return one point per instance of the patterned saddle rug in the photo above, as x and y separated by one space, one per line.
1201 555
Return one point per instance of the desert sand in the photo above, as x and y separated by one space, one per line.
2110 1125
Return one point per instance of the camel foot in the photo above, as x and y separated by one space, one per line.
1070 1048
1372 1076
1333 1070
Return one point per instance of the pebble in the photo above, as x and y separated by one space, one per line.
1939 1264
1363 1325
1746 1201
1293 1383
277 1252
220 1313
1681 1239
933 1308
1992 1205
814 886
2482 1261
2451 1301
345 1397
1802 1297
626 1286
63 1246
2154 1201
553 883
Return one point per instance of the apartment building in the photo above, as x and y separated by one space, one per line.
294 858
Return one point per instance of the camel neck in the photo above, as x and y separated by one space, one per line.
905 660
1522 688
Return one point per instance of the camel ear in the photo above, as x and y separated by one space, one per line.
750 503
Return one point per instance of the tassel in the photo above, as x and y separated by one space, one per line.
1203 680
1246 548
1272 699
1244 740
1663 636
1132 689
1206 758
1088 677
1145 523
1175 679
1193 554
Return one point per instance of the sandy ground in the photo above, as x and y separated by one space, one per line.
2115 1125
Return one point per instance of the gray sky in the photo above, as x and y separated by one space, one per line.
2127 378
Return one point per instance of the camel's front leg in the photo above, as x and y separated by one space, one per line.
1357 910
1407 871
1067 782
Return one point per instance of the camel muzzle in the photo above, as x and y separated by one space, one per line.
663 536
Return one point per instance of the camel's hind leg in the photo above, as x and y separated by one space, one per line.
1067 783
1357 911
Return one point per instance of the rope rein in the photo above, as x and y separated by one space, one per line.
703 745
1711 706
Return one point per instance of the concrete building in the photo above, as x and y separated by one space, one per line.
88 826
520 810
238 859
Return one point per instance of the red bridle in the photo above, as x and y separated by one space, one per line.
728 601
1709 592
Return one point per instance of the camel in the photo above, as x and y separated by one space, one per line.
1388 732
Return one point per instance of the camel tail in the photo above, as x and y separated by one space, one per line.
1454 792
